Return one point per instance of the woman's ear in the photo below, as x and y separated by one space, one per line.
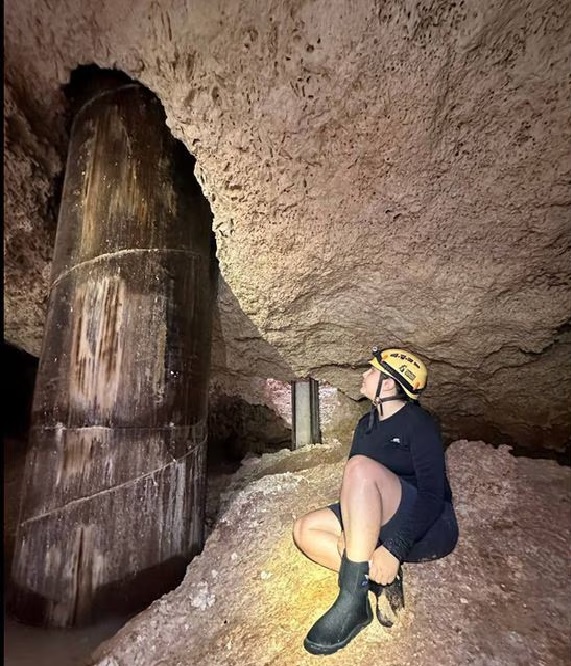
390 384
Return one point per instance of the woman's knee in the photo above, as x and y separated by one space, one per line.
298 531
360 468
311 526
301 530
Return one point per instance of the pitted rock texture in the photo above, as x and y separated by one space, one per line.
379 172
501 598
31 165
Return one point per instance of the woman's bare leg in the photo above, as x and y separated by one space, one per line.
370 496
318 535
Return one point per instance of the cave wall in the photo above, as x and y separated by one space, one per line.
389 172
31 168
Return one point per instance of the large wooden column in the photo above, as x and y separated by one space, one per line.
114 488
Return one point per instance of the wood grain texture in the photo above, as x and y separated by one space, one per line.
114 488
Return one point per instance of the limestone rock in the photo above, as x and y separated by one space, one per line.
393 173
30 168
241 360
501 598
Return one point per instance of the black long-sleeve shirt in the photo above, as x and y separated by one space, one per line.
409 444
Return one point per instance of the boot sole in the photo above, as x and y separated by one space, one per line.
316 648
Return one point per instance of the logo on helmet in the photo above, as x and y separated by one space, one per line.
404 357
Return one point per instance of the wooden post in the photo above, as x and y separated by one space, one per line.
305 412
114 488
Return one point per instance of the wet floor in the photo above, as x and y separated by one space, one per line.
29 646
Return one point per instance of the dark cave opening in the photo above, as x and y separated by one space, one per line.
237 428
19 372
87 81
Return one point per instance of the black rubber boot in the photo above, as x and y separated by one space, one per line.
350 613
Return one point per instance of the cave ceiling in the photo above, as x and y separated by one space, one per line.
380 172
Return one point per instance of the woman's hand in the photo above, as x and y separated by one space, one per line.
383 567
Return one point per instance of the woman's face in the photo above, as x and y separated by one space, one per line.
370 382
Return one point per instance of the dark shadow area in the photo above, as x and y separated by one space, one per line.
474 429
236 428
122 598
19 374
560 457
87 81
19 371
242 357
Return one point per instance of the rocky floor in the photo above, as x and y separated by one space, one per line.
502 598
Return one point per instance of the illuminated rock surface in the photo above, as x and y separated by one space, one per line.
378 172
500 599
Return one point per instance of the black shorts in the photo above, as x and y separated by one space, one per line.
440 539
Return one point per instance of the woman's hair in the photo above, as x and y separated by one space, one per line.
401 395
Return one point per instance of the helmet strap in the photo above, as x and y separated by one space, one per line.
377 403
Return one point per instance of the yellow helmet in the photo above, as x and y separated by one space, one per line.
404 367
